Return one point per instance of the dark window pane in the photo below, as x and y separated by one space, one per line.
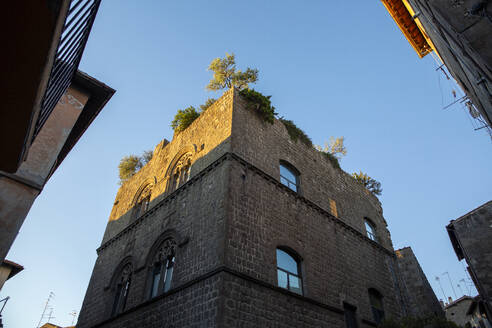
295 284
117 298
282 278
350 316
156 278
286 262
371 233
125 296
376 301
169 275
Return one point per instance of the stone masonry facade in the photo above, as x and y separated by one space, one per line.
214 191
421 299
471 237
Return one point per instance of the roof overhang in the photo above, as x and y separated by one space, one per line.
14 268
403 15
99 94
454 241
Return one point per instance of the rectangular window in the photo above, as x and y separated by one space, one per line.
350 316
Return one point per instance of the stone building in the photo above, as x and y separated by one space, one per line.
422 302
234 224
471 237
458 32
456 311
69 119
47 103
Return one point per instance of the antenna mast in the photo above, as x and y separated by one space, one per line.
51 295
73 314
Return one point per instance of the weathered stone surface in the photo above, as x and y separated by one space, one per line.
422 302
471 236
228 219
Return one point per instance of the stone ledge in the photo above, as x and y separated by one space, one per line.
264 175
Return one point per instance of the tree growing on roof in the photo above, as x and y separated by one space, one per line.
227 76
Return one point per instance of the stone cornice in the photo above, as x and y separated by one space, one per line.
264 175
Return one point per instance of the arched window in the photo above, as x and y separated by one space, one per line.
181 172
143 201
121 289
162 268
288 272
376 300
370 230
289 176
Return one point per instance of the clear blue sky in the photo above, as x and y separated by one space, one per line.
338 68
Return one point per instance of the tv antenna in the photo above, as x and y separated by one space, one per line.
461 290
73 314
46 307
442 290
466 285
451 283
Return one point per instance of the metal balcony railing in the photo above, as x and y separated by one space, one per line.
75 33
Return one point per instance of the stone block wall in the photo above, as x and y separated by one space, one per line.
422 302
264 145
471 236
339 264
207 138
194 215
228 220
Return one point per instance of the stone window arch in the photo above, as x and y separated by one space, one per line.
141 204
121 288
180 172
161 267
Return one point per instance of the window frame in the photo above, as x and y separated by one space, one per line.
377 313
181 171
297 259
162 265
288 182
350 312
121 288
371 233
142 201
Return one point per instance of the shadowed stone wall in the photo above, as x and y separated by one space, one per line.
228 219
422 300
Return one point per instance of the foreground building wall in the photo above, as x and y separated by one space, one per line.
421 298
459 33
73 113
210 204
18 191
471 237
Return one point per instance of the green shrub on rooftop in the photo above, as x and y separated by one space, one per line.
183 118
296 133
260 104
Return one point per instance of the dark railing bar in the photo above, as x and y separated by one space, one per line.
76 37
83 19
75 15
77 26
50 94
65 83
54 91
74 7
66 60
54 100
82 26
